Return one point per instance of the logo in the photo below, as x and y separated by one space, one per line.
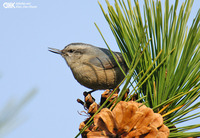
18 5
9 4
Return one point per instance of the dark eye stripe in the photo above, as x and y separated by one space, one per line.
76 51
71 51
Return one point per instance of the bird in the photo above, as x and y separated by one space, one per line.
93 67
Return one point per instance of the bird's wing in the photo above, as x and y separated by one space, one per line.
107 61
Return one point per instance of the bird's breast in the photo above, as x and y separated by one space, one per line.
97 78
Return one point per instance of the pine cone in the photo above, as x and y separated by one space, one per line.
126 120
129 120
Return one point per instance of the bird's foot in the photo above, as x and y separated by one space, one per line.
89 92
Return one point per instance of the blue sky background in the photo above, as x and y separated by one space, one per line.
25 63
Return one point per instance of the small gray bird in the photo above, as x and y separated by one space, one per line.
93 67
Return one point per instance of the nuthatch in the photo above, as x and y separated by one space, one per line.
93 67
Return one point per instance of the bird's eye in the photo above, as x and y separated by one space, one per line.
71 51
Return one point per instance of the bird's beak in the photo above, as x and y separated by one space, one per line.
57 51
